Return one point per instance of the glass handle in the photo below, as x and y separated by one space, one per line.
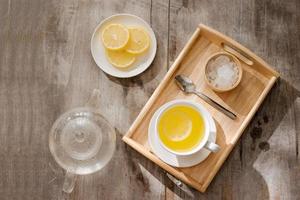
174 180
69 182
94 99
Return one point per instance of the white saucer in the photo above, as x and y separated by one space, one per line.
174 160
98 50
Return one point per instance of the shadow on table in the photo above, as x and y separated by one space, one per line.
265 122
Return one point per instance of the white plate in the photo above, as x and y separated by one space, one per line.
142 62
174 160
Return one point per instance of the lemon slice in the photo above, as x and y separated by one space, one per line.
138 42
115 36
120 59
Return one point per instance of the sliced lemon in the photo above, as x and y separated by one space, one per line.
115 36
120 59
138 42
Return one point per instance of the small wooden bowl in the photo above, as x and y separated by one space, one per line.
233 59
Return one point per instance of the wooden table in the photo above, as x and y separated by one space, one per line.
46 69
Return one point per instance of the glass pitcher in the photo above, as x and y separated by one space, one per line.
82 141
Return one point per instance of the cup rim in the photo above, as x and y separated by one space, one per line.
200 109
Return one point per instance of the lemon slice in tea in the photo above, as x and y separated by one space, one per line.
115 36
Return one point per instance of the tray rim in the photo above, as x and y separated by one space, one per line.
176 171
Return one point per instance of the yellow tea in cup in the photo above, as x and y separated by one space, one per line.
181 128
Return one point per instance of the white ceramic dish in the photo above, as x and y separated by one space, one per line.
177 160
98 50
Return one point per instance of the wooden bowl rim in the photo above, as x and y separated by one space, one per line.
236 60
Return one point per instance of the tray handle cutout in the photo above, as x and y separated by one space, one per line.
238 53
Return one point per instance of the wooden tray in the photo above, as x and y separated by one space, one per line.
244 100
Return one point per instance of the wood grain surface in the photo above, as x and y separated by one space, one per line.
46 69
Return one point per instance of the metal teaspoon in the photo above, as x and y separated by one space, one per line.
187 85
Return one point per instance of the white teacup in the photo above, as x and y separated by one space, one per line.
204 143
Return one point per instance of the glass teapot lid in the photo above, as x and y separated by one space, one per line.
81 140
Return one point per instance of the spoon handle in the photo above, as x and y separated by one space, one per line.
215 105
